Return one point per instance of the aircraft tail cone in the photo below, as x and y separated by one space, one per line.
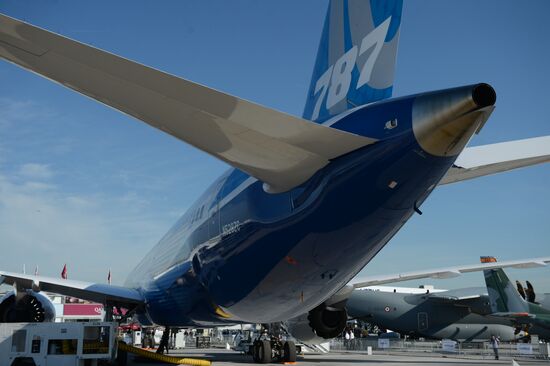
444 121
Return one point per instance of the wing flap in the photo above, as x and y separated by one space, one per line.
83 290
277 148
484 160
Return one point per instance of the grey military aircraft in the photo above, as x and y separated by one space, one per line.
466 314
454 314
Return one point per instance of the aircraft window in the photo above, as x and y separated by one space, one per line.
210 197
197 214
96 340
62 346
214 203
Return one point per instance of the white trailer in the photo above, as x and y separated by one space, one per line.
56 344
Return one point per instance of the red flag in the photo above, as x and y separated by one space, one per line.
109 277
64 272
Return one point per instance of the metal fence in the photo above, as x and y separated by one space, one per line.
478 350
481 350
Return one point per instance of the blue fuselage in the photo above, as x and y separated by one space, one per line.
243 255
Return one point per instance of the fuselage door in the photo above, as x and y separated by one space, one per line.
422 321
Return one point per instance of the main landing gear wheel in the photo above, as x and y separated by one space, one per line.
289 352
271 347
256 351
264 351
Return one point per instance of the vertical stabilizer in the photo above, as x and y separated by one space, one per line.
356 57
503 294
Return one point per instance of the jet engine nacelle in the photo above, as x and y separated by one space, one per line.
300 329
322 323
328 322
26 307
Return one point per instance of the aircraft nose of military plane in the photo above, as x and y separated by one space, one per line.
444 121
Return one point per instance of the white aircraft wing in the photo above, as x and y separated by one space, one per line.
96 292
278 149
449 272
483 160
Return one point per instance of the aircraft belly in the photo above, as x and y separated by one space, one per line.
271 267
303 259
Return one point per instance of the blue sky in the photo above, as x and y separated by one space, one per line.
85 185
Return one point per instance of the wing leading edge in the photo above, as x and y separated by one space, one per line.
278 149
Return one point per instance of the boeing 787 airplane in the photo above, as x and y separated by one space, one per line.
309 201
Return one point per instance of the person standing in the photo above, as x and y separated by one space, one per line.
346 338
495 341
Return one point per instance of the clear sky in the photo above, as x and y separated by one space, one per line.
85 185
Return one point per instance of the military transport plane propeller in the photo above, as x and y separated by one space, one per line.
357 152
528 292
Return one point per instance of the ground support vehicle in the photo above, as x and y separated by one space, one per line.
56 344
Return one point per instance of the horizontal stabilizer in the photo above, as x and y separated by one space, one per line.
483 160
281 150
96 292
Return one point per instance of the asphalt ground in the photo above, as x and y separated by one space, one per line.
230 358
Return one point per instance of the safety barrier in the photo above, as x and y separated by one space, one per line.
459 349
163 358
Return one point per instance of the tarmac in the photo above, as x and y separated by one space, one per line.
220 357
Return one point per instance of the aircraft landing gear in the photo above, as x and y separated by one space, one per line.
262 352
271 347
289 352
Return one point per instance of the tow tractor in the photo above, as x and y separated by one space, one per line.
56 344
